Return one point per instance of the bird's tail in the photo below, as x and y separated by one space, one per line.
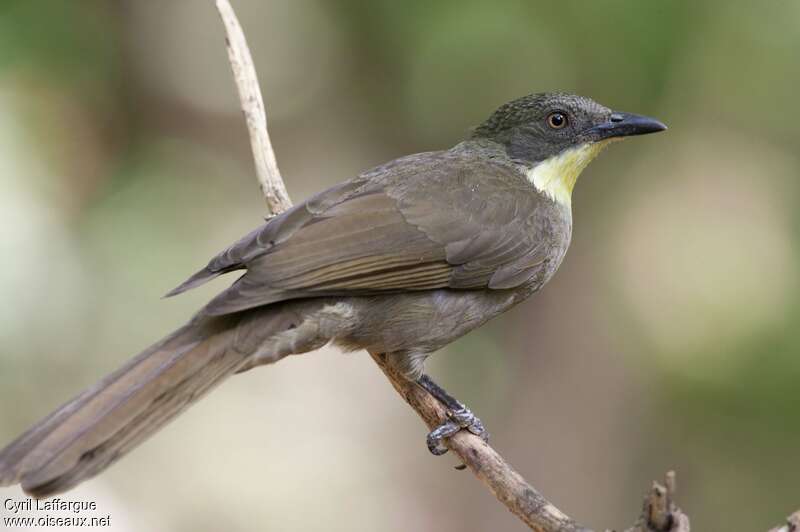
93 430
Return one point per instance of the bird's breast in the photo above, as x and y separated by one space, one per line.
553 228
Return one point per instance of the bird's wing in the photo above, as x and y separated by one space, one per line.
429 221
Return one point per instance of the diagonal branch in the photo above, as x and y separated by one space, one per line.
522 499
659 513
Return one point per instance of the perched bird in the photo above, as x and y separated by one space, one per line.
402 260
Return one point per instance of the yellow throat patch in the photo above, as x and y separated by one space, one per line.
555 177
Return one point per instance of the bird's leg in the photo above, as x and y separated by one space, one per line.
460 417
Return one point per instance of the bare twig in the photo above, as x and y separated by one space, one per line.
522 499
244 73
659 512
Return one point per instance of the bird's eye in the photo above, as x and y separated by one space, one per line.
556 120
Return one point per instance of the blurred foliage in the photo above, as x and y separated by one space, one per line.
668 340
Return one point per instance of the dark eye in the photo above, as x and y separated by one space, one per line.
556 120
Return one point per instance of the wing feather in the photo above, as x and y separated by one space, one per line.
459 221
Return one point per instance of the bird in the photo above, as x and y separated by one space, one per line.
401 260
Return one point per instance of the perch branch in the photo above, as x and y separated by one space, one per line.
244 74
522 499
503 481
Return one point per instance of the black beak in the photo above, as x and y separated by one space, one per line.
626 125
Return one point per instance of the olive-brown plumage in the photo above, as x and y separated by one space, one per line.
403 259
465 218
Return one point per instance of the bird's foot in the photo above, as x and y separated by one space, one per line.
458 418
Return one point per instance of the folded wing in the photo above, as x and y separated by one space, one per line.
441 220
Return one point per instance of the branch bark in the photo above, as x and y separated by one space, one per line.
522 499
659 512
244 74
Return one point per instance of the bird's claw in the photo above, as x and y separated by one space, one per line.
461 418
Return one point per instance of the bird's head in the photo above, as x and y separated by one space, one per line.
556 135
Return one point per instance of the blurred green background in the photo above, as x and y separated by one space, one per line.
669 338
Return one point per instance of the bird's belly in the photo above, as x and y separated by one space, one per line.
423 321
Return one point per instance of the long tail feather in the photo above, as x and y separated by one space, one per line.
97 427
